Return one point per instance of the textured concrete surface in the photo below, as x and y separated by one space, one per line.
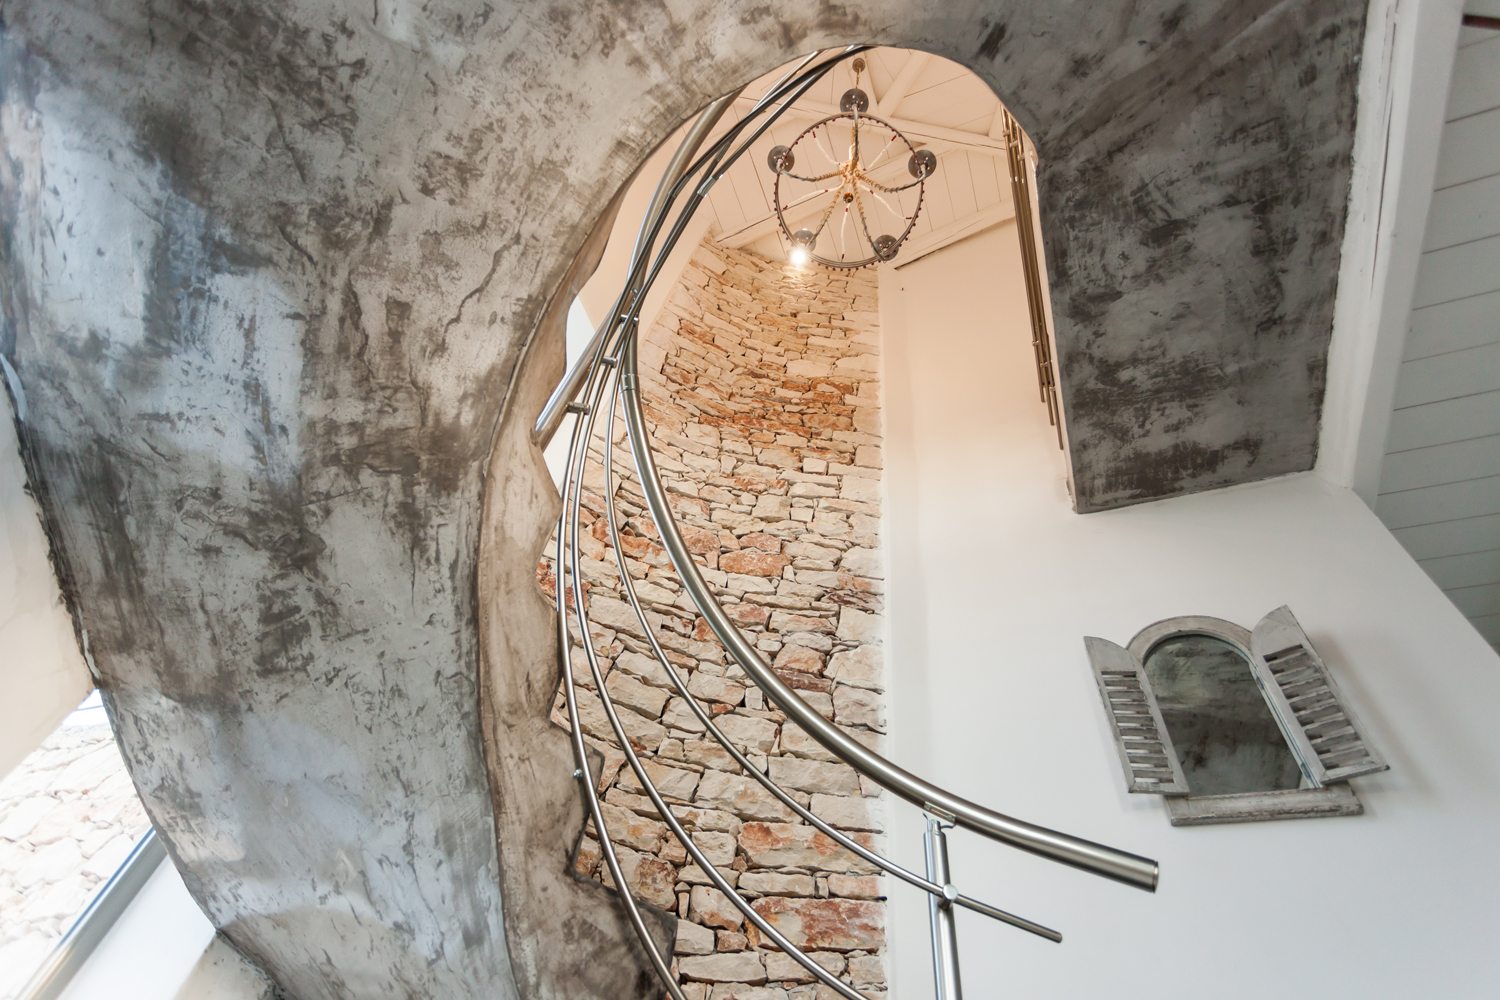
268 278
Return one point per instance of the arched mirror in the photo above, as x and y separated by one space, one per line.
1227 739
1231 725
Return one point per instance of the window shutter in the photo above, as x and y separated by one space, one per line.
1141 737
1297 683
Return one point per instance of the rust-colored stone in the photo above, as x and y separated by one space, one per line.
753 563
826 924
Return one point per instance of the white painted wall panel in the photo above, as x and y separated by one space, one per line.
1454 326
1443 463
1459 271
1463 213
1466 498
1460 419
1476 78
1471 149
1448 376
1476 601
1440 480
1444 538
1471 569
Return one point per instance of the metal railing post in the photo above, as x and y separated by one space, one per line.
940 912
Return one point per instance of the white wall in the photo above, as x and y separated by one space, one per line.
42 674
598 295
994 582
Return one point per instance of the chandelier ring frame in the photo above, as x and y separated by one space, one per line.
856 121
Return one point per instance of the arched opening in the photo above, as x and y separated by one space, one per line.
271 376
760 373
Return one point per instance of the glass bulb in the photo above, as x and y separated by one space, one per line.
799 255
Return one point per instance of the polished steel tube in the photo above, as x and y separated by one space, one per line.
611 362
585 772
595 381
706 720
667 190
1096 858
567 390
940 912
583 433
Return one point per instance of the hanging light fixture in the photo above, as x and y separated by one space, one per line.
853 211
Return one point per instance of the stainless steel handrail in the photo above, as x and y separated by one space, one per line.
1098 859
608 370
577 455
556 407
745 764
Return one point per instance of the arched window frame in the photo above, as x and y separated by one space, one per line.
1314 715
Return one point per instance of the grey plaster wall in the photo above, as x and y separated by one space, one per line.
270 273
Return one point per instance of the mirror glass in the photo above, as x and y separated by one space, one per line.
1227 740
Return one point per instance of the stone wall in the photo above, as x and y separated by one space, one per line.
272 279
761 383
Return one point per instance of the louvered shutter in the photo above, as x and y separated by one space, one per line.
1141 738
1319 718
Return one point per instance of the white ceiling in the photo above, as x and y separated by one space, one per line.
938 104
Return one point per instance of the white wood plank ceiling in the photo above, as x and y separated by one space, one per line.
938 104
1440 480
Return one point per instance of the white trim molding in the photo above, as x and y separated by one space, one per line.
1408 61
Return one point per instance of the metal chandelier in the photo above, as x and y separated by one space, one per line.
853 211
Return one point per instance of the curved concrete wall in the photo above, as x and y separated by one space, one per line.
269 278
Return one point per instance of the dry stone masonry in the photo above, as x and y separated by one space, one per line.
761 384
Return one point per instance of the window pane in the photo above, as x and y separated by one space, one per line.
69 816
1227 740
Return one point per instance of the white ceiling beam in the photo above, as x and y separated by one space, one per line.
997 124
913 130
809 206
920 246
901 86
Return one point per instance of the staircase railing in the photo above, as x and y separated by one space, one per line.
606 380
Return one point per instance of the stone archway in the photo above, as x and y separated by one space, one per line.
272 287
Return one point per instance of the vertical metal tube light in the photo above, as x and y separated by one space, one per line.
941 913
1031 267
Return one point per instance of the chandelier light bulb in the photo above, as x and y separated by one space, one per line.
801 252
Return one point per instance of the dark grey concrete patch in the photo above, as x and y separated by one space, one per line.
268 276
1194 218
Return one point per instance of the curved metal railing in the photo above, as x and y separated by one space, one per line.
606 380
